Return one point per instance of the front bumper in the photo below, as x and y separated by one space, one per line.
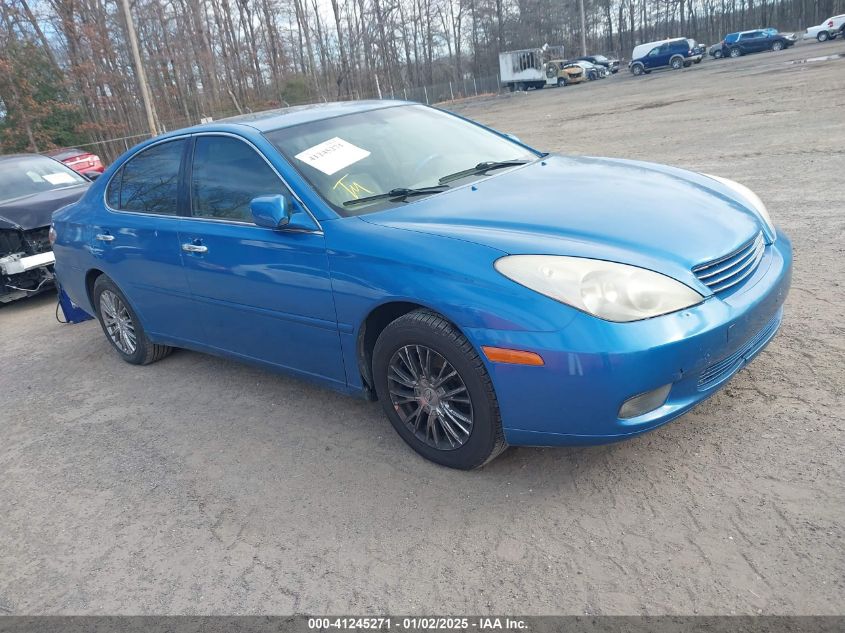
15 265
592 366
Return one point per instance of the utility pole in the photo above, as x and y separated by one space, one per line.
139 68
583 28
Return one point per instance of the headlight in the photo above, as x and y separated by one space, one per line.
611 291
752 199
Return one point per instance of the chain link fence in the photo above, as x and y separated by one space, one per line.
438 93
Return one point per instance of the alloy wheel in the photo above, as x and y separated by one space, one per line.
118 322
430 397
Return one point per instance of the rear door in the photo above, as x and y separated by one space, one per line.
263 294
751 42
136 239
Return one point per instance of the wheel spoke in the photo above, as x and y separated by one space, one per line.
429 396
458 419
432 426
401 377
453 392
406 358
443 379
450 432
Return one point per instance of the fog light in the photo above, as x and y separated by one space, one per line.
645 402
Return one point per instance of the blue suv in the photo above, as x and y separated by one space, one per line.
675 54
744 42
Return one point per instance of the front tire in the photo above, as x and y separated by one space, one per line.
436 392
823 36
717 54
777 46
735 52
122 326
637 70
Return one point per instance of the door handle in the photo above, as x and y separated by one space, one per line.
194 248
104 237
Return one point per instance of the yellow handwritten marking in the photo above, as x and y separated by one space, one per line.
353 188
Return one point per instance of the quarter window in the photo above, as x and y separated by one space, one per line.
227 174
149 181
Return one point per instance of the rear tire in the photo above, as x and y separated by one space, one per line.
122 326
561 82
676 63
414 401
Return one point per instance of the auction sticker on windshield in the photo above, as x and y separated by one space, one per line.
332 155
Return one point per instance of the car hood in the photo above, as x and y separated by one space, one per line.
649 215
35 211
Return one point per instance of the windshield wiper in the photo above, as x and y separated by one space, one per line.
398 194
482 168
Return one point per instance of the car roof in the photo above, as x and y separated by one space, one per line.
7 157
295 115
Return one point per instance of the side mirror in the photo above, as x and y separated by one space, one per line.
92 175
270 211
513 137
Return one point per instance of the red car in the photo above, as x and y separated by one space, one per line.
78 160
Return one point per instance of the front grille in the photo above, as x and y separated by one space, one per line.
717 372
11 242
38 239
730 269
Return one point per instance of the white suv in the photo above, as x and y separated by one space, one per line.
827 30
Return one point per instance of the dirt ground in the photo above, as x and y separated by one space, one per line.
202 486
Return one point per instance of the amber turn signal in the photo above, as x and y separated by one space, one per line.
512 356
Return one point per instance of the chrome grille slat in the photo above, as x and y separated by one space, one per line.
729 270
733 262
737 269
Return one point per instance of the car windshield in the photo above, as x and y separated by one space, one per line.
28 175
368 154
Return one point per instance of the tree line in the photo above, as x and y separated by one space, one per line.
67 75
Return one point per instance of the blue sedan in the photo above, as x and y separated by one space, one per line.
397 252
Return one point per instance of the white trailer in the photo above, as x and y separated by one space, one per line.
524 69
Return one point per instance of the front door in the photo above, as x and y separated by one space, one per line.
263 294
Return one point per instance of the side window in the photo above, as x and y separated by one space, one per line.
654 52
113 191
227 174
149 181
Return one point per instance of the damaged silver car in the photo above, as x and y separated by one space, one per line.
31 188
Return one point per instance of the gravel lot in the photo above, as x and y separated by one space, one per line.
201 486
